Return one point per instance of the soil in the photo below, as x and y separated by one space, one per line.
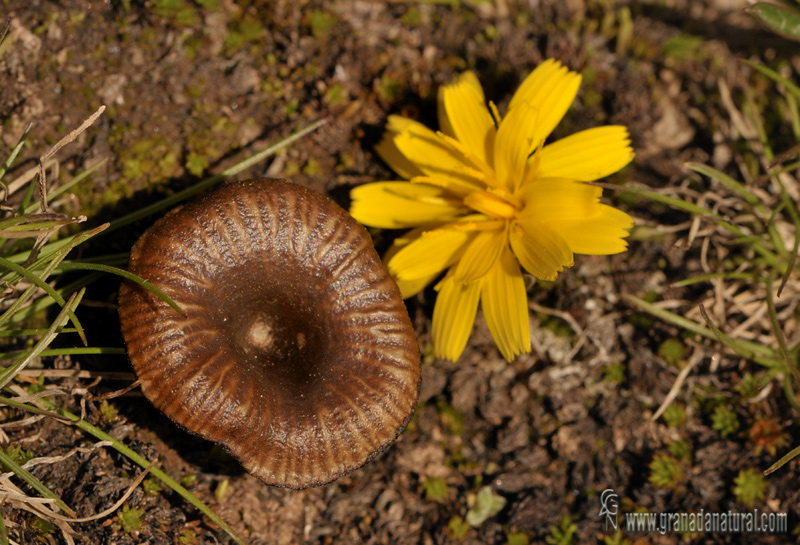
192 87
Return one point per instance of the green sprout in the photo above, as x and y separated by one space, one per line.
665 471
675 415
458 528
724 421
436 489
749 487
563 532
130 519
487 504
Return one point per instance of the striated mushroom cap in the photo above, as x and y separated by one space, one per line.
295 352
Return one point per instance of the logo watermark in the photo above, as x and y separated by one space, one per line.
734 522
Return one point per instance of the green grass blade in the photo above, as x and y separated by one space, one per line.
30 276
78 351
761 354
774 76
52 332
758 245
777 330
63 188
34 483
734 185
30 332
11 402
76 266
711 276
783 461
14 152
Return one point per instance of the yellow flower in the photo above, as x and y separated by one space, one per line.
486 195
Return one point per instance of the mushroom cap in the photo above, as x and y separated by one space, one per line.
295 351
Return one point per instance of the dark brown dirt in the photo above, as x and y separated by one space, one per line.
191 87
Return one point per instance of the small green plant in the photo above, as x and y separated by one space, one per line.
130 519
724 421
108 410
675 415
41 527
680 449
488 503
458 528
187 537
749 487
665 471
320 22
562 533
152 487
673 351
451 418
516 538
17 454
436 489
748 387
614 373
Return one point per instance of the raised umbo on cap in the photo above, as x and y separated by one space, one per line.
295 350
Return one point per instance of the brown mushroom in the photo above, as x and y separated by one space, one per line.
295 351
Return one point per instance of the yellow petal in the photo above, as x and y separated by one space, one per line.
505 306
409 288
464 116
541 250
389 152
434 156
515 140
601 234
429 254
453 317
551 199
480 255
550 89
588 155
397 205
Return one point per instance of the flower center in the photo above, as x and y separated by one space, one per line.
490 204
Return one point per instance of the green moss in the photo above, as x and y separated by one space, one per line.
563 532
130 519
436 489
108 410
389 88
336 95
320 22
680 449
665 471
411 17
178 12
749 487
450 418
457 528
675 415
724 421
614 373
242 32
673 351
